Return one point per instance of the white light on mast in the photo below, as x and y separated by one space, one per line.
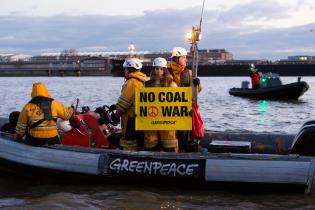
131 49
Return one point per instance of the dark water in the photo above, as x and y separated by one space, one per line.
220 111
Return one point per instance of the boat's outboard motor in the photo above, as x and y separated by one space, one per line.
304 141
245 84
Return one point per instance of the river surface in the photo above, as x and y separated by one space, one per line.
220 112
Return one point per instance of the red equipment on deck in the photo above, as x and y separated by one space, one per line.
88 131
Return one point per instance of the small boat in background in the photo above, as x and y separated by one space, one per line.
272 88
288 91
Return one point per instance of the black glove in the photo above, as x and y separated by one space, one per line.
112 107
196 81
115 120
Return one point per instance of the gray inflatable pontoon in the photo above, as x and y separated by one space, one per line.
219 166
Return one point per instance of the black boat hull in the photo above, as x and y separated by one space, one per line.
287 91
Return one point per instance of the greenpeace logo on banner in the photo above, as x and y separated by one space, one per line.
163 122
154 167
163 108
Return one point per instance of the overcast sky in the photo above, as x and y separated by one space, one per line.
250 29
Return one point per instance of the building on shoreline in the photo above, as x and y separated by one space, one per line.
212 62
72 63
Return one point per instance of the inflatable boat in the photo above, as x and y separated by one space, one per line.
271 87
287 91
241 159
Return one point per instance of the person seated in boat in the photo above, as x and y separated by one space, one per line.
183 78
38 118
160 77
255 76
10 126
125 108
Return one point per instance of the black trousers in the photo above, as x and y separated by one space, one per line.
38 142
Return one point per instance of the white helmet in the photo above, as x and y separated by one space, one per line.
132 62
178 51
161 62
64 125
252 67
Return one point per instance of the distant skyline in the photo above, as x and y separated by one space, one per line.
250 29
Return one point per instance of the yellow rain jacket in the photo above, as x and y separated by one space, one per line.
167 137
32 113
126 110
176 71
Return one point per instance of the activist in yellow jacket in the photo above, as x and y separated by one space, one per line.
180 73
160 77
183 78
38 117
125 107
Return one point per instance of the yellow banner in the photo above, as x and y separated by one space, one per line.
163 108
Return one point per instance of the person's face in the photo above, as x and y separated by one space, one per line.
158 71
126 73
182 60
